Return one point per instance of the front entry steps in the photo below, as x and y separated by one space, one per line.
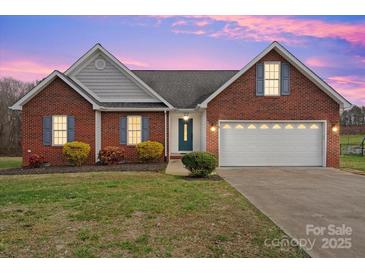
176 155
176 167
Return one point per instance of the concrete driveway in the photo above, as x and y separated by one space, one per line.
309 204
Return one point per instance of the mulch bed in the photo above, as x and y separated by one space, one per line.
71 169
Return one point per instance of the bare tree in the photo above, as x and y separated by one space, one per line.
10 91
353 117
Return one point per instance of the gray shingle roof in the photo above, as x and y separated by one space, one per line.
185 88
181 88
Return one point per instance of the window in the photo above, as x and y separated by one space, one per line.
272 78
185 132
134 129
59 128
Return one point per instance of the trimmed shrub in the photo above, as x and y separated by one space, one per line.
76 152
111 155
200 164
35 161
149 151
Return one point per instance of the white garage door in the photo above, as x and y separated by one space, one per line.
271 143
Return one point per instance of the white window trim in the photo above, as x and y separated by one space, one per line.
53 143
279 86
140 117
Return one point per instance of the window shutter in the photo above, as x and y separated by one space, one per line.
260 82
285 79
47 130
123 130
145 128
70 128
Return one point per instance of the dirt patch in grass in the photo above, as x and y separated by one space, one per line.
130 214
93 168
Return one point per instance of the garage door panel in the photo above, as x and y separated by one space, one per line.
271 144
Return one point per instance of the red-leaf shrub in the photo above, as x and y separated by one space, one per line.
35 161
111 155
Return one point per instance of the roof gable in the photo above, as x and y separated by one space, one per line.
44 83
296 63
113 83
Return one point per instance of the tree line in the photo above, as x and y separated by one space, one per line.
10 91
353 117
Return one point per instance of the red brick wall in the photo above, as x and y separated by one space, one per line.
56 99
306 102
110 130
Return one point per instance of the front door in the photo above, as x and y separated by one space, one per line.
185 135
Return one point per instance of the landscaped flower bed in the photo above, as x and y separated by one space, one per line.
94 168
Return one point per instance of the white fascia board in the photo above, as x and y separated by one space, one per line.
294 61
18 105
108 109
204 104
313 77
121 67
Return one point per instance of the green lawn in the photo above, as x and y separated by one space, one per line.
351 139
10 162
353 162
130 214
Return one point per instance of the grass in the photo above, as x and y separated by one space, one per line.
351 139
10 162
353 162
130 214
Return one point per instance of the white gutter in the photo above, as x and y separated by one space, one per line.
131 109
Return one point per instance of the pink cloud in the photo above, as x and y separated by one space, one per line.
318 62
27 70
195 32
352 87
201 23
282 28
132 62
179 23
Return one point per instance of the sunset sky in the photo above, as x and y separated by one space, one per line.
31 47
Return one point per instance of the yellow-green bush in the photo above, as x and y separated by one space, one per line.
76 152
149 151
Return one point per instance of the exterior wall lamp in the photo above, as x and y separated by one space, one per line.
335 128
186 116
213 128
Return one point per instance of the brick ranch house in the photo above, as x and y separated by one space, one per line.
273 112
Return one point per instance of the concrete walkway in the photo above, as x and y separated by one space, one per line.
175 167
309 204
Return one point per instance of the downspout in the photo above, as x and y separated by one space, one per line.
165 112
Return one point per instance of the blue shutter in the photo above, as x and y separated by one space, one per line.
260 82
123 130
145 129
47 130
285 79
70 128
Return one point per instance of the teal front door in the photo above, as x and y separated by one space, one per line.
185 135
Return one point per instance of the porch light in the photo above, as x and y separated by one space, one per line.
335 128
213 128
186 116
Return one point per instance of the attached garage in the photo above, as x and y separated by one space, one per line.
272 143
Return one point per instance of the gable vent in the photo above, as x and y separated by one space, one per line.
100 63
